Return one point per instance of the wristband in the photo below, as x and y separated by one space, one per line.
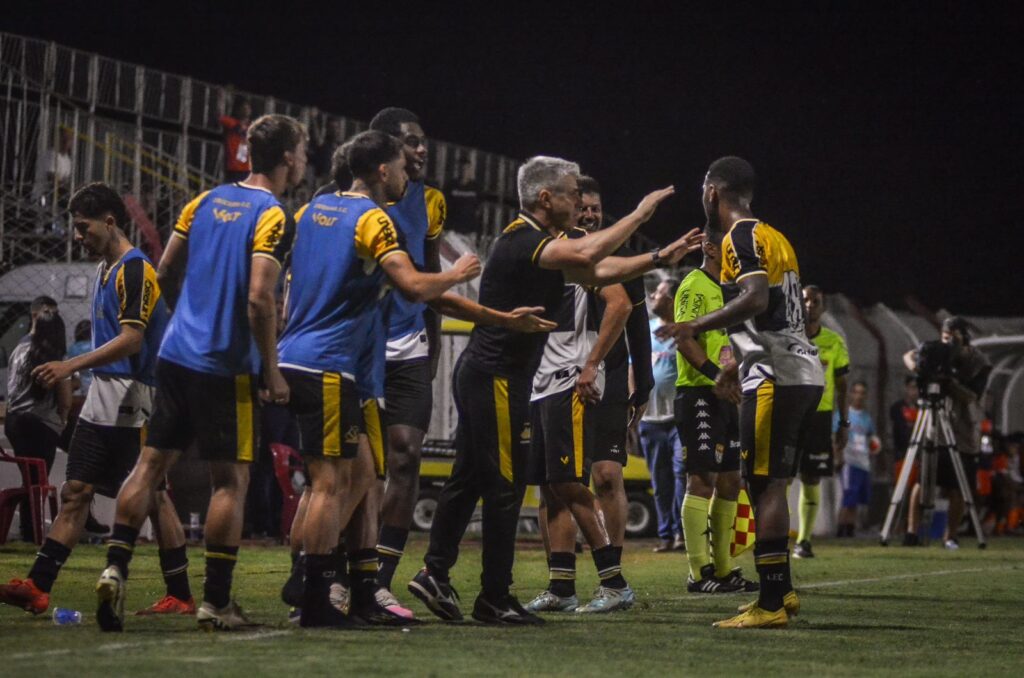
844 423
656 258
709 369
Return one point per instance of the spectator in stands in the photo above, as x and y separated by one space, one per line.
36 415
966 385
323 151
236 148
861 445
658 434
464 199
53 180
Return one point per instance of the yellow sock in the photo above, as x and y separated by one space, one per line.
695 530
810 498
723 515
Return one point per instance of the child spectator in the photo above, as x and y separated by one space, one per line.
863 443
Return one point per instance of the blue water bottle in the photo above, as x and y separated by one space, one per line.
62 616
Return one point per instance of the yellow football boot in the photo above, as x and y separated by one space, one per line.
755 618
790 603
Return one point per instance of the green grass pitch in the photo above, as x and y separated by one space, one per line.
866 610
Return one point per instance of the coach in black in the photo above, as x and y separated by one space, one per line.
492 380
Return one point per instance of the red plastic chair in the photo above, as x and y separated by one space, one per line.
286 462
36 493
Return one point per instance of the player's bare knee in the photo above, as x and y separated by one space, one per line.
76 496
700 485
727 486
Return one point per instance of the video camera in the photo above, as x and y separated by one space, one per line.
934 367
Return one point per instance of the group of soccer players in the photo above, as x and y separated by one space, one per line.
541 390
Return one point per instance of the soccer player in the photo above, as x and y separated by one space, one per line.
821 445
128 321
346 249
778 382
412 343
334 318
225 256
624 322
569 379
493 378
708 431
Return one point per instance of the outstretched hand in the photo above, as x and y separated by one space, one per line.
674 252
645 210
527 319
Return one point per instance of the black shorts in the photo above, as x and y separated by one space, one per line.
558 440
327 411
708 431
816 457
945 475
103 456
773 422
219 414
408 393
607 423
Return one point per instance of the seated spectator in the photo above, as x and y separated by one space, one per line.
36 415
856 460
236 147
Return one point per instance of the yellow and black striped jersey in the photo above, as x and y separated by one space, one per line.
773 344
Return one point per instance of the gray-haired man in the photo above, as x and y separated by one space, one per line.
529 264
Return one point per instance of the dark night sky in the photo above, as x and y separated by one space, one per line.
888 144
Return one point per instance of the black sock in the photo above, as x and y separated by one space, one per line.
320 574
562 572
609 567
49 560
362 570
771 557
174 565
295 555
120 547
220 565
390 545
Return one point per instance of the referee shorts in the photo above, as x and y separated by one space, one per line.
558 440
773 423
219 414
707 429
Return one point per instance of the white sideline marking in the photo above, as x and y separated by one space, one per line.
866 580
111 647
897 577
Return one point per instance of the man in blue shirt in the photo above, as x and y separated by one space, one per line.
220 272
658 434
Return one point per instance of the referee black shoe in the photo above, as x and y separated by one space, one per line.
503 610
709 583
803 550
441 598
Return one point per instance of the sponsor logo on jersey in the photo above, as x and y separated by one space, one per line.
225 216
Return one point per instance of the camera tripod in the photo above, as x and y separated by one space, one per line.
932 435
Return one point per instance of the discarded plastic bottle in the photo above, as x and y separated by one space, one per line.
63 616
195 530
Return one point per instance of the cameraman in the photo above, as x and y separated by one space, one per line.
964 385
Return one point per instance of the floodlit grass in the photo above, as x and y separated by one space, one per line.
866 610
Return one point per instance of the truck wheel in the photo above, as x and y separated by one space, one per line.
640 520
425 508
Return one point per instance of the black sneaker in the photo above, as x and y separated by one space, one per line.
441 598
291 592
743 584
709 583
504 610
803 550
